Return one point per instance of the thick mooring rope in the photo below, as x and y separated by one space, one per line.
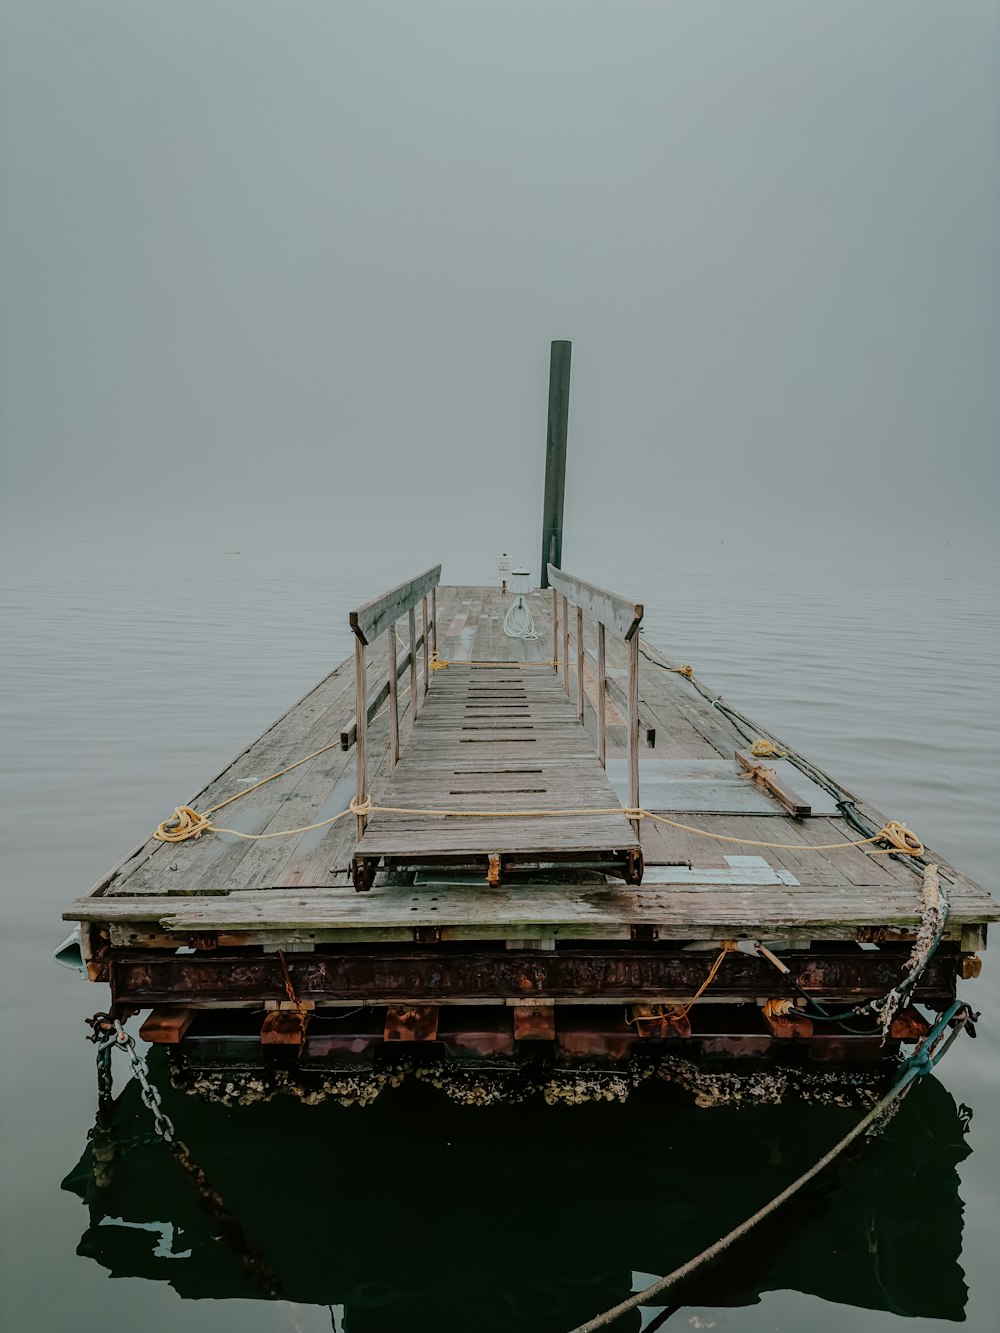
921 1062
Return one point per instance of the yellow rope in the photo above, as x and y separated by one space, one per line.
187 823
682 1011
762 749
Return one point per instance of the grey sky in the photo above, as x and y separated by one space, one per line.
271 268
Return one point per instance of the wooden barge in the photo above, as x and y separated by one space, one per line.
562 848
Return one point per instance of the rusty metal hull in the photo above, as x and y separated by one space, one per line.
443 976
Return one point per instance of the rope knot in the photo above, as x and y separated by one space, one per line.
364 807
778 1008
901 838
685 670
184 823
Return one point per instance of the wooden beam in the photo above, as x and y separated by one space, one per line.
617 613
361 712
535 1022
565 645
417 1022
769 780
633 727
602 701
390 643
412 626
579 663
555 631
425 614
284 1027
375 617
165 1027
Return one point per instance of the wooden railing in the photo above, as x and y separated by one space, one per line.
623 618
368 622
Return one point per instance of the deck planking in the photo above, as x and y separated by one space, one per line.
300 883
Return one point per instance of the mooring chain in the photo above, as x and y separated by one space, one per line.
111 1035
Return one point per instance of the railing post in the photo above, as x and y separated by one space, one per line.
565 646
602 707
427 649
579 663
412 623
555 631
434 620
361 713
390 639
633 725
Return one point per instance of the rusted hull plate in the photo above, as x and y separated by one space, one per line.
416 977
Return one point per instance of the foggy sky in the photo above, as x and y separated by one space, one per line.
280 270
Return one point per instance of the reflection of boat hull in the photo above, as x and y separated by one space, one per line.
414 1213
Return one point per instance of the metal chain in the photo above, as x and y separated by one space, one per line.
162 1123
230 1229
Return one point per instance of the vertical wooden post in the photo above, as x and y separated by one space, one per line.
565 646
555 631
361 713
412 623
555 457
390 639
427 647
633 726
579 662
434 620
602 707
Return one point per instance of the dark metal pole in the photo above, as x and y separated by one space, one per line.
555 458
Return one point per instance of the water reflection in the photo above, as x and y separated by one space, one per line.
416 1213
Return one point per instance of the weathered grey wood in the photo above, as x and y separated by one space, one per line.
349 733
555 630
633 724
616 613
839 890
376 616
361 713
425 615
390 643
412 626
602 697
565 646
767 778
579 663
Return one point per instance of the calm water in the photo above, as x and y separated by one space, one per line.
128 678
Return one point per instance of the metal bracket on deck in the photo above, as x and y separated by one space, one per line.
363 873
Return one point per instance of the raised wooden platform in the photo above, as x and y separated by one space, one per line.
560 926
500 738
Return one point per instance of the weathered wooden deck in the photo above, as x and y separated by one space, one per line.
298 888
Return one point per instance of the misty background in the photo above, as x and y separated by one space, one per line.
271 271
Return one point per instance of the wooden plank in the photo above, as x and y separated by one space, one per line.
412 626
393 687
633 725
616 613
579 663
375 617
361 745
602 700
166 1027
768 779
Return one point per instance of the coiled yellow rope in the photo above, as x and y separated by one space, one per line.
762 749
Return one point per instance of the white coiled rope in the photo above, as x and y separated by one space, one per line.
517 623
